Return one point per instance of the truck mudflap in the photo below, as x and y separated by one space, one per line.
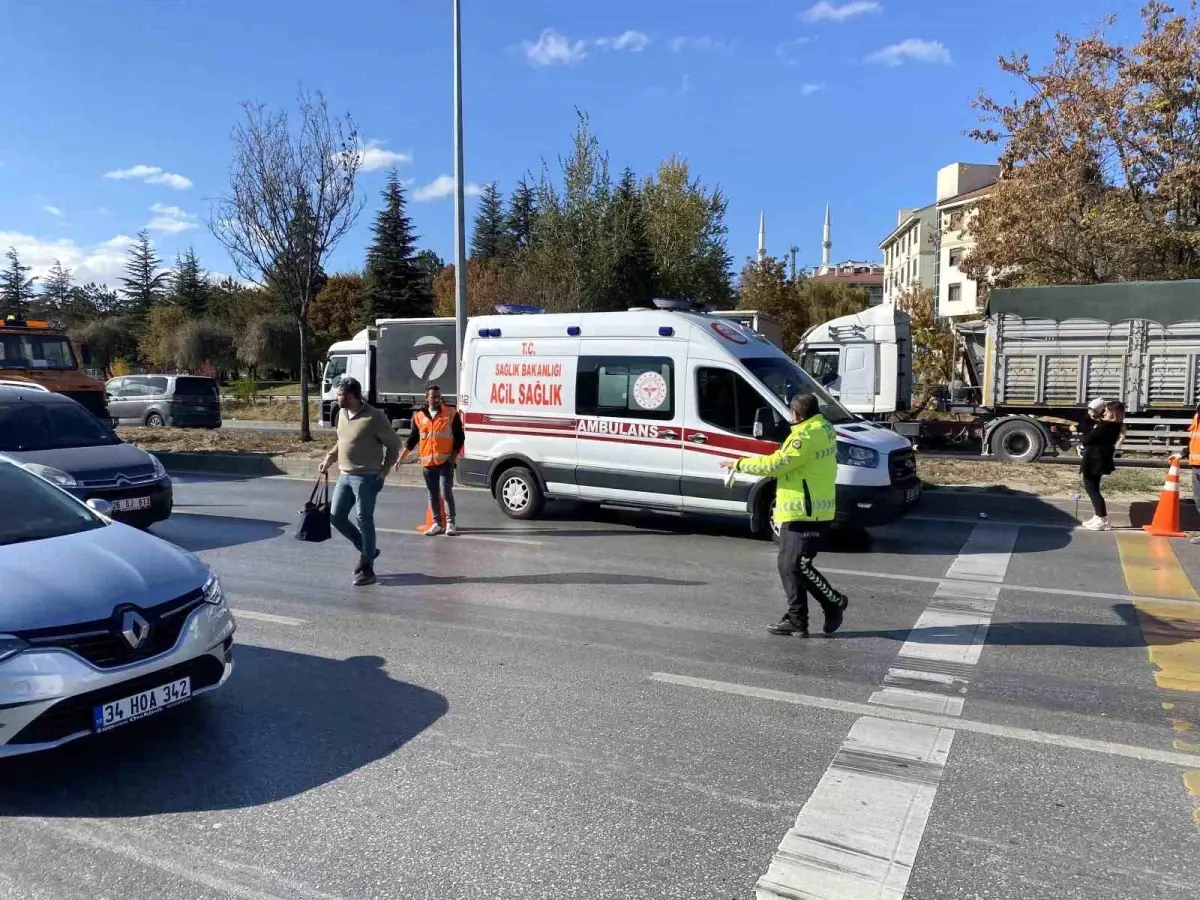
864 506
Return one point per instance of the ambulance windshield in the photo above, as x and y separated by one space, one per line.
785 380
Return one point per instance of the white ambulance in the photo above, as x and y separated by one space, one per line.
639 408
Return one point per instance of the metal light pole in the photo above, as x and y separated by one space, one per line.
460 229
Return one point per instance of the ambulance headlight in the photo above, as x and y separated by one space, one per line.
854 455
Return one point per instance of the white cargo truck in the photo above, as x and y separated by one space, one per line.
394 361
1034 361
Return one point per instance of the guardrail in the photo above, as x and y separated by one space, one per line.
268 398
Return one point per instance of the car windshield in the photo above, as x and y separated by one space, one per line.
32 510
35 351
785 380
201 388
29 426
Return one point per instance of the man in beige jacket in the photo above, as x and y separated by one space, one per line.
367 448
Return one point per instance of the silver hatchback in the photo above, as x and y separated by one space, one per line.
101 624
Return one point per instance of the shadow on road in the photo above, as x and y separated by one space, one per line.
197 531
285 723
1134 631
417 579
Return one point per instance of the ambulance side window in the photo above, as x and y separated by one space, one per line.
725 400
626 387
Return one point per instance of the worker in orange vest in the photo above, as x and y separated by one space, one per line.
437 435
1194 462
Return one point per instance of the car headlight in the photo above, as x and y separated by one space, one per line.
854 455
10 646
51 474
159 470
212 590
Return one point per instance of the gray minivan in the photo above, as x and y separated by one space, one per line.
184 401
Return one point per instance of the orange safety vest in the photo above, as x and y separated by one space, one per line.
437 435
1194 444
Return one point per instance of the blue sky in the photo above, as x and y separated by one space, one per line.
785 105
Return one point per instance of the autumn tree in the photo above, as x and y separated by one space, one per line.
336 311
234 304
157 344
16 287
270 344
489 284
111 339
202 344
291 199
932 341
765 287
1100 166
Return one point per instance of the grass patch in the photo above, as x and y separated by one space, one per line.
198 440
268 411
1041 479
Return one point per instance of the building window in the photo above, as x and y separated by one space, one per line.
955 257
955 295
956 220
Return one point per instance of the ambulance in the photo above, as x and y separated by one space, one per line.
639 408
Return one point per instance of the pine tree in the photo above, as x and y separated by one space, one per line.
15 289
189 284
145 279
522 212
488 232
635 278
396 286
56 291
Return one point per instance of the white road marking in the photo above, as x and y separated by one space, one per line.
1021 588
934 720
240 613
490 538
858 835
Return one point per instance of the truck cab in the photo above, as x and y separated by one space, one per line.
34 351
865 360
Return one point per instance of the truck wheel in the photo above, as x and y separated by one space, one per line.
1017 442
519 494
154 420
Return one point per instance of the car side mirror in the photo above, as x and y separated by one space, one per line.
103 507
764 422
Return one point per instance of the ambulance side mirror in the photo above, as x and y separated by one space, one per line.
765 423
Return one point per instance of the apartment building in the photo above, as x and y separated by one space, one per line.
910 253
960 186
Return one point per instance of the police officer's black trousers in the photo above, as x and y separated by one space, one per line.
799 543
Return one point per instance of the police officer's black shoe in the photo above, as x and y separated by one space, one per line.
833 615
787 627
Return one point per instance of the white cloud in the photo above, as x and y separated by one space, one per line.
702 44
441 188
53 210
808 89
633 41
789 50
170 219
831 12
102 262
555 49
150 175
911 50
373 156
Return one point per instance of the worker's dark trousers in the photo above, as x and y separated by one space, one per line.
799 543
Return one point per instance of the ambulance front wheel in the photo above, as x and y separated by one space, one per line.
519 494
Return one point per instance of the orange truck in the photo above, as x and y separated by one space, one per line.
31 350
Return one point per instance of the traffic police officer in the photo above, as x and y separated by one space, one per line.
805 472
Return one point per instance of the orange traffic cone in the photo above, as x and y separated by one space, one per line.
429 516
1166 516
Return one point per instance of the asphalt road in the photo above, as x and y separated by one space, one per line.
589 706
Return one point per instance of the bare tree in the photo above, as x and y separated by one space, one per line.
291 199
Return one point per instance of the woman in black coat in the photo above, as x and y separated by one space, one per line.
1099 445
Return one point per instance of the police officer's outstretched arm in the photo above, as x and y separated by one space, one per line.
793 454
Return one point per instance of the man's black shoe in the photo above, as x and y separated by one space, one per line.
365 577
833 617
787 627
358 569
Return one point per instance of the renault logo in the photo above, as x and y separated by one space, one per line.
134 628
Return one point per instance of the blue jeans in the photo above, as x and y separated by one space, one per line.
358 491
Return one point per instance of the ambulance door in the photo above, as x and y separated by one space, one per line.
722 404
630 419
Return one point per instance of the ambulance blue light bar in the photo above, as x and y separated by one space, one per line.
574 330
675 304
666 331
518 309
489 332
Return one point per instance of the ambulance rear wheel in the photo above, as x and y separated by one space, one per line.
519 494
